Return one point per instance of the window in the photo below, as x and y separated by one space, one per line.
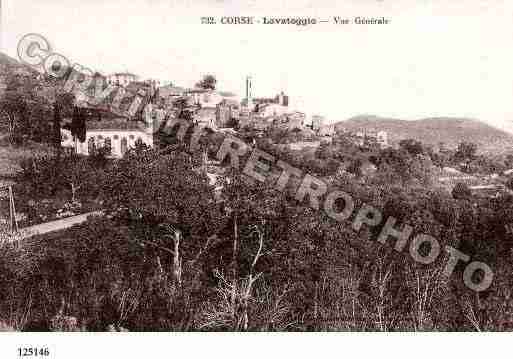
108 146
124 146
91 146
100 141
116 137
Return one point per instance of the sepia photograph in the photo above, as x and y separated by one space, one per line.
191 171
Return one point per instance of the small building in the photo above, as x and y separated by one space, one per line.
271 109
169 94
208 98
317 122
122 78
291 121
280 99
206 116
326 131
298 146
141 87
116 135
382 138
227 113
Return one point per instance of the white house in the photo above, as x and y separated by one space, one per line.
209 98
122 78
317 122
272 109
382 138
116 135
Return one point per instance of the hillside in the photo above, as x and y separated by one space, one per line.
9 67
450 131
9 64
7 60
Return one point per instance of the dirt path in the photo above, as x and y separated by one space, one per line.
57 225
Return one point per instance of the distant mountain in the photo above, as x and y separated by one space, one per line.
7 60
450 131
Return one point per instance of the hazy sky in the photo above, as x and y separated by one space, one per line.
436 58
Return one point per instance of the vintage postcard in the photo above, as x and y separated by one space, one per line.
254 166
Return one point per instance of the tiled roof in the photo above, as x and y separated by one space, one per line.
226 94
115 124
123 74
196 90
170 90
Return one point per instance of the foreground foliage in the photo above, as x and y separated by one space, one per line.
171 255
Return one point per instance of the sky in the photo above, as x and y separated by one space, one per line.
435 58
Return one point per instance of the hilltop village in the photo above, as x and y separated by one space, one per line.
205 105
269 119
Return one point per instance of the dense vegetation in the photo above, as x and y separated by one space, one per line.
171 254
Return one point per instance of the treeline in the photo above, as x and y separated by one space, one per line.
32 109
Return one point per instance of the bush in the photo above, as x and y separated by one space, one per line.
461 191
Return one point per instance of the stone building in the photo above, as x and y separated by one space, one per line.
317 122
227 113
381 137
121 78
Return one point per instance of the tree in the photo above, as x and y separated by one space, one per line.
208 82
355 167
80 174
397 161
440 159
28 103
47 176
324 151
413 147
150 190
508 161
487 165
78 126
421 169
509 183
57 125
461 191
466 151
20 104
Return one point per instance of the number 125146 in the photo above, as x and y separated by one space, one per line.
33 352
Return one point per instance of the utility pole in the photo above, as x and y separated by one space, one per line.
7 192
13 223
